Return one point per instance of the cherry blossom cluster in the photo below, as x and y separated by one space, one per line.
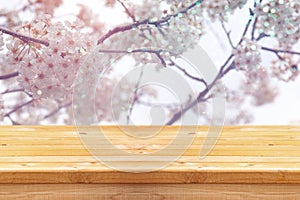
257 85
48 71
247 55
167 36
215 9
45 6
221 9
280 19
286 68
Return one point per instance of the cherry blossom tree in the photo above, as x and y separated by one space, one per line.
42 51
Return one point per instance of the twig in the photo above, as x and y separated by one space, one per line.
254 23
57 110
227 34
135 95
156 52
13 121
146 21
13 90
261 36
127 11
253 29
17 90
247 26
24 38
201 96
187 74
277 51
8 76
18 107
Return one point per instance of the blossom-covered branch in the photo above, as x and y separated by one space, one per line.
22 37
202 95
153 51
44 55
156 23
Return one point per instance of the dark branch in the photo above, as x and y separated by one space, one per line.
135 95
227 34
156 52
156 23
277 51
247 26
18 107
201 96
127 11
187 74
13 121
24 38
57 110
254 23
8 76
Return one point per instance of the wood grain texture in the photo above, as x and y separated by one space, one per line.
57 154
149 191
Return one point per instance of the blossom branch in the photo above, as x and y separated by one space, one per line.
156 23
12 91
277 51
127 11
227 34
13 121
57 110
222 72
18 107
8 76
16 90
156 52
187 74
24 38
135 95
254 23
247 26
201 95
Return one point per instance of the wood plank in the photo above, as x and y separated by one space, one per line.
56 154
208 159
149 191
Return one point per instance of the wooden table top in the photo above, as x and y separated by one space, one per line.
58 154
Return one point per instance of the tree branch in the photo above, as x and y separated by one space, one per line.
156 52
135 95
127 11
201 96
18 107
24 38
15 90
247 26
8 76
146 21
227 34
57 110
13 121
187 74
277 51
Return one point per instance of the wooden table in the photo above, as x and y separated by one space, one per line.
52 162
